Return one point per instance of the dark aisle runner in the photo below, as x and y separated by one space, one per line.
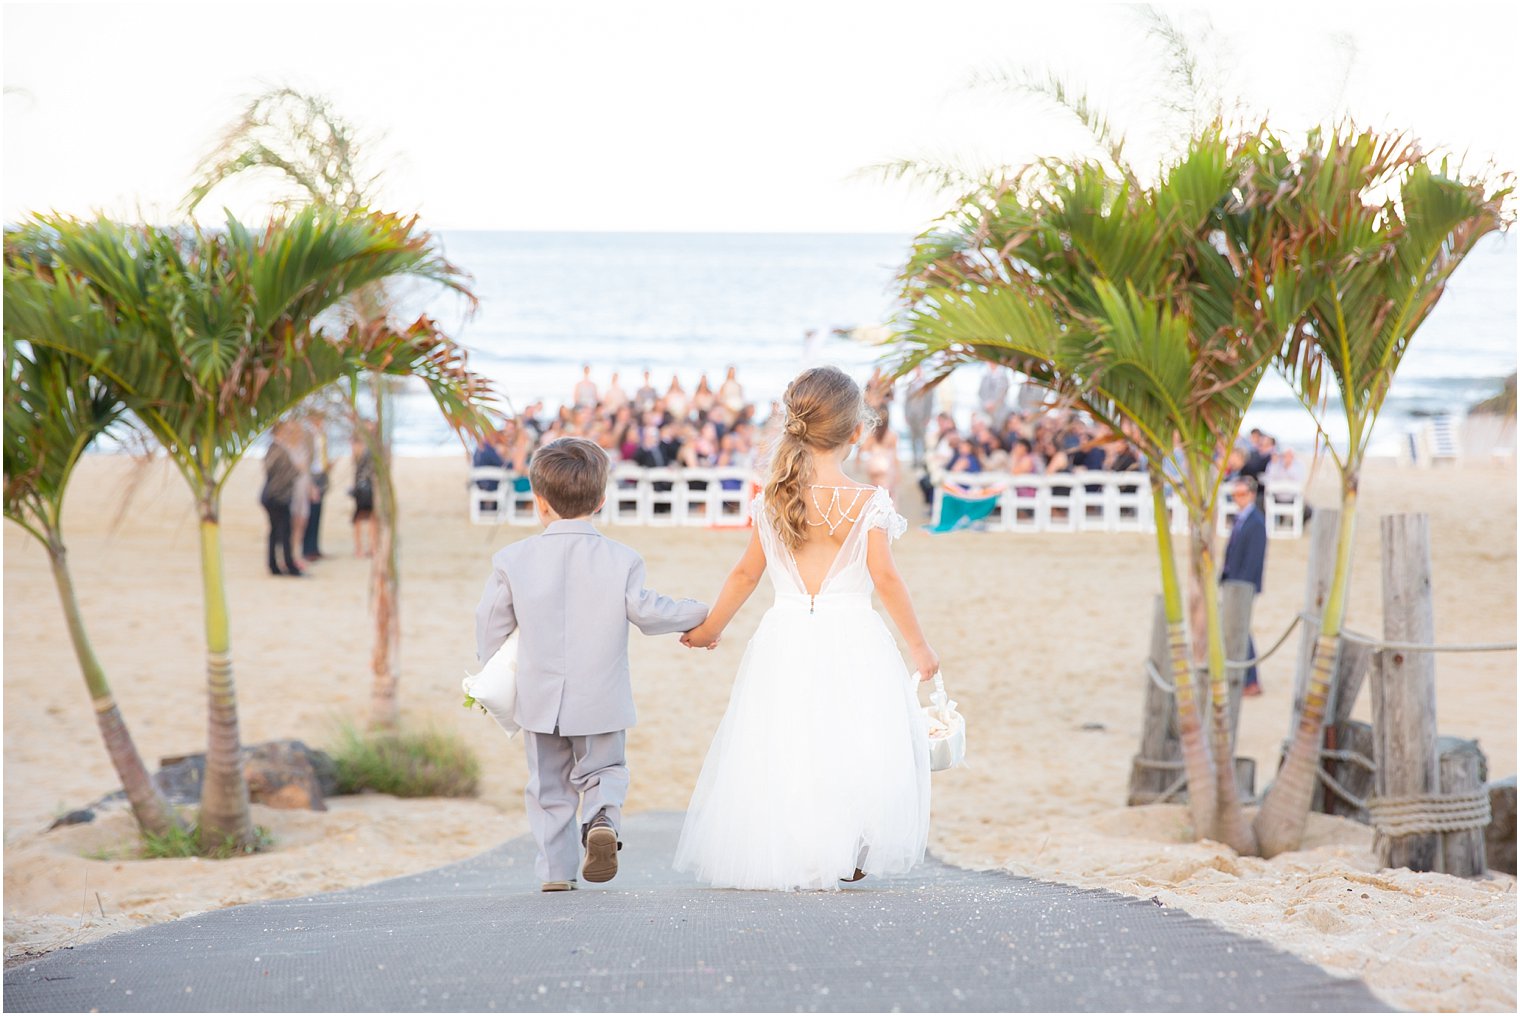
478 935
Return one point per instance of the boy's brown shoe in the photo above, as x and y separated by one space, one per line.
601 851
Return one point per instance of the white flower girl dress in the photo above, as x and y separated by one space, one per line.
821 763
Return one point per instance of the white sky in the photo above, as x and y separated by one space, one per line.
701 116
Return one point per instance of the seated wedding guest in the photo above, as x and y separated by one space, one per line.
625 433
966 459
1022 462
614 399
1284 469
651 450
732 454
488 453
988 447
699 449
585 390
731 393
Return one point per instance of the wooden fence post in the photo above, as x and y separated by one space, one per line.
1158 731
1404 686
1322 533
1235 602
1463 770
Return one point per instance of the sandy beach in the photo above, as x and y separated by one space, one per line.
1041 639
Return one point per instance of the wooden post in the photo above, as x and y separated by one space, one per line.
1322 533
1235 602
1404 705
1342 734
1499 837
1158 732
1463 770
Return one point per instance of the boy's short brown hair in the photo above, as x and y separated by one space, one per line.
571 474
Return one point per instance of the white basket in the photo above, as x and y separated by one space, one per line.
494 689
947 729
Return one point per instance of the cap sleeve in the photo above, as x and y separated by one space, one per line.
884 515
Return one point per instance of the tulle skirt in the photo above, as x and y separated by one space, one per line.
821 763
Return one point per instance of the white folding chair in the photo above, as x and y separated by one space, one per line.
1022 503
625 499
1226 511
1285 510
518 504
1061 502
1094 508
1129 498
486 506
662 507
732 497
699 497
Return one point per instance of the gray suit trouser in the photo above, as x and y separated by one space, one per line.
589 769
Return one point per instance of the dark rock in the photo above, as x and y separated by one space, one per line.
280 774
1499 836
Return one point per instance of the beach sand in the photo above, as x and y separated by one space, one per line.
1041 637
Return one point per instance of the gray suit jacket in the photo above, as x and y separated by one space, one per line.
573 591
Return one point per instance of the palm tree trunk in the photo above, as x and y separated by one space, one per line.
385 581
1280 823
1232 826
1195 755
153 813
225 814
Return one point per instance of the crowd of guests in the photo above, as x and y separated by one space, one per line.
710 426
1012 431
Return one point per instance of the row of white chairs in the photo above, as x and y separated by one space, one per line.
1067 502
636 496
1107 502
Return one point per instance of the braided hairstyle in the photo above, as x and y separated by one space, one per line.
823 406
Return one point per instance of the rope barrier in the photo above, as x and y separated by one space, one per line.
1420 647
1243 664
1155 675
1338 789
1430 813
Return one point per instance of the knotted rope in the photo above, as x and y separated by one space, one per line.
1430 813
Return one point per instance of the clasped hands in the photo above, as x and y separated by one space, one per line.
700 637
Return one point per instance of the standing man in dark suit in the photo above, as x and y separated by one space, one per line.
1245 556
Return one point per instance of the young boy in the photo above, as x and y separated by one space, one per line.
573 592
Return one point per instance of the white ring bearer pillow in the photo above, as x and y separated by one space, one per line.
947 728
494 689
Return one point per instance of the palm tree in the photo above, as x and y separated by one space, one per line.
300 140
213 337
1376 232
54 410
1143 306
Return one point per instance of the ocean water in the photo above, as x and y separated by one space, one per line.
681 304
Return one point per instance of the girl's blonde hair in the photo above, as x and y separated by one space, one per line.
821 408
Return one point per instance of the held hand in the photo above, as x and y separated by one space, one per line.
700 637
926 662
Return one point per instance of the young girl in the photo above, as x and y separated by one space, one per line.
819 771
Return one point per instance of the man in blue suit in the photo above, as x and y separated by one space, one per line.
1245 556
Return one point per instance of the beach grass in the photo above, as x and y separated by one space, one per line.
419 763
184 842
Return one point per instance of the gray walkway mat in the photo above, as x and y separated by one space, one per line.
478 935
